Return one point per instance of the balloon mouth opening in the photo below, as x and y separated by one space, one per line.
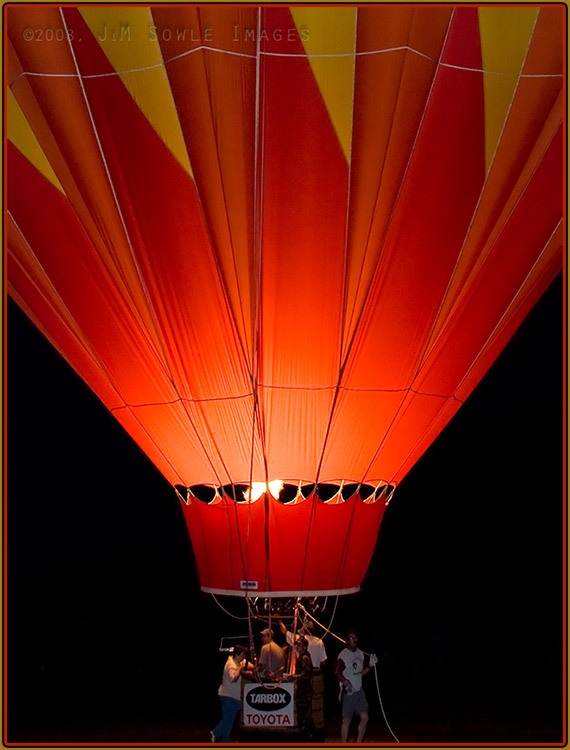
254 592
287 493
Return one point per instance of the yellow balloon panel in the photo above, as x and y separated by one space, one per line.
23 137
505 37
329 38
126 36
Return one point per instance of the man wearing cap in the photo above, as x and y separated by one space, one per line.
271 662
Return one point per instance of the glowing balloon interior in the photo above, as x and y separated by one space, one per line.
283 244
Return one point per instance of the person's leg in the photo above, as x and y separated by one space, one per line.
304 715
223 728
347 714
219 728
362 727
233 712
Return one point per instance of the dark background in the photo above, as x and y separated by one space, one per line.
109 638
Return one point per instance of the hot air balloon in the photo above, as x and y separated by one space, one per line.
283 246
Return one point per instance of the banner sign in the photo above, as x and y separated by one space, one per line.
268 705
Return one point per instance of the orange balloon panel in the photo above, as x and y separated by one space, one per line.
283 244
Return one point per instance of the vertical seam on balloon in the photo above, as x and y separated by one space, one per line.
428 349
516 296
384 440
204 545
345 271
244 558
306 555
259 413
249 501
129 243
256 423
88 347
378 508
348 197
257 281
257 231
344 554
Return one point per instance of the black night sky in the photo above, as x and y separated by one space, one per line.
110 640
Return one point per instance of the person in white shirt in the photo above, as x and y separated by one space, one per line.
229 693
316 648
351 666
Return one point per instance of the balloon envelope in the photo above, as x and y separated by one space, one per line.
283 244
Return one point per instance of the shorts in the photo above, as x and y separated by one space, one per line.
354 703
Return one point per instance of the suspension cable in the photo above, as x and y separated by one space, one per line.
235 617
382 705
328 631
250 628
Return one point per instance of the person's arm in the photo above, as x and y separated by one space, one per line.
339 673
305 673
234 673
366 665
287 633
307 669
322 655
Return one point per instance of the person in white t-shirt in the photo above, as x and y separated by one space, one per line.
229 693
352 664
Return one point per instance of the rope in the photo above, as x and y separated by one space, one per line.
293 655
235 617
327 630
333 614
250 629
382 706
